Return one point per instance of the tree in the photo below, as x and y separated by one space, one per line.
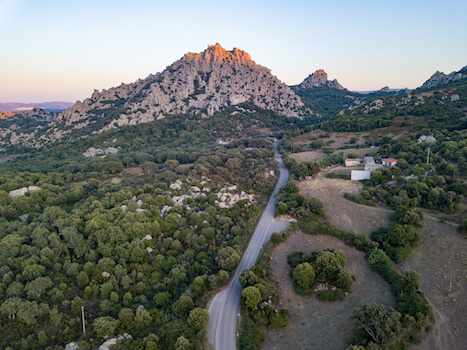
183 305
35 288
411 281
247 278
126 317
228 258
344 280
328 264
198 318
105 326
382 324
252 296
304 275
182 343
142 319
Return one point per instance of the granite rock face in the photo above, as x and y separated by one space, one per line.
320 78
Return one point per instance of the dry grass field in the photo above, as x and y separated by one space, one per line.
441 260
314 324
308 156
342 213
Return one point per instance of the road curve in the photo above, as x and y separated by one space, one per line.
225 305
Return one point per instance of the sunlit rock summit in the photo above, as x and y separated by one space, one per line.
199 83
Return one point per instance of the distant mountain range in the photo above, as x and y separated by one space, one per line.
198 85
20 107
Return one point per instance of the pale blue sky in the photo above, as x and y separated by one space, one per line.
63 49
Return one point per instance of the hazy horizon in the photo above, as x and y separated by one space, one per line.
62 51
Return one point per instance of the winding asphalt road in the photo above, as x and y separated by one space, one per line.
225 305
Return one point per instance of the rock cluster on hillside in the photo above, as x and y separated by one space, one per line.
439 78
320 78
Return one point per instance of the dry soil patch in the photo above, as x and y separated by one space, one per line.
308 156
342 213
322 325
441 260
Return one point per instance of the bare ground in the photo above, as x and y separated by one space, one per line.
307 156
342 213
441 259
314 324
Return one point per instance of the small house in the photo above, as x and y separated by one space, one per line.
389 162
353 161
368 160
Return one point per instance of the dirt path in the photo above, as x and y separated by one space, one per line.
441 260
315 324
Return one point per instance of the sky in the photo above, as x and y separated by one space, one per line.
61 50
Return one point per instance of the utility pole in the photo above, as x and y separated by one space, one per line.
82 315
428 156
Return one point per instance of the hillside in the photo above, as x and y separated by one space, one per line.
327 97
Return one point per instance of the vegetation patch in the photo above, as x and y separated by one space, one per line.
321 272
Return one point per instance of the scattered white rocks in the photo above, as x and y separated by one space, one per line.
228 200
177 185
147 237
72 346
109 343
165 209
455 97
93 152
428 139
374 105
22 191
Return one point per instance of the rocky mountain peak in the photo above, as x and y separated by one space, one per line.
439 78
199 83
320 78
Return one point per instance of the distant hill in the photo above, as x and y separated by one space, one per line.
20 107
439 79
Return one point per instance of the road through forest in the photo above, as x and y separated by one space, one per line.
225 305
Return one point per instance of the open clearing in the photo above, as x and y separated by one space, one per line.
342 213
441 260
308 156
314 324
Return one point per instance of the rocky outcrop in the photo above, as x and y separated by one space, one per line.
7 115
320 78
93 152
385 89
439 78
